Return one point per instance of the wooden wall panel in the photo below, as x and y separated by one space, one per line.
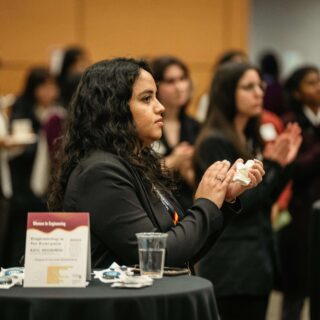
12 79
191 30
30 30
195 31
236 23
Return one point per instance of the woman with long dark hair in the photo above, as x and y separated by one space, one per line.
303 93
241 265
109 169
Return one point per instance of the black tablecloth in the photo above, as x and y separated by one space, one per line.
182 297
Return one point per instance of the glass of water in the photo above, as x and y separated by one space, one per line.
152 246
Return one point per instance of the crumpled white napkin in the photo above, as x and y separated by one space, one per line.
122 277
241 174
11 277
114 273
133 282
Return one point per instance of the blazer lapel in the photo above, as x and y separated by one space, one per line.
153 206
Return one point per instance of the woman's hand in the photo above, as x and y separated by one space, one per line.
181 153
181 160
293 131
215 182
255 173
187 172
285 148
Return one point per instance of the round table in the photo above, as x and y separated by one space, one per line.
181 297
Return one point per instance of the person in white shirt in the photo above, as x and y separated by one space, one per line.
5 184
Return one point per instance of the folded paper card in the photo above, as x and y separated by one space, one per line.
57 250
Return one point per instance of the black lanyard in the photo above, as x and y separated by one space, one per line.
169 207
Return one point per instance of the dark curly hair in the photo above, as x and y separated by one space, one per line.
100 119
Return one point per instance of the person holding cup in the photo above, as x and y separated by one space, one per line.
108 168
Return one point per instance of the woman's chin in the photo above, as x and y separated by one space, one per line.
257 112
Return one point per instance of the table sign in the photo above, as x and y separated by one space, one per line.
57 249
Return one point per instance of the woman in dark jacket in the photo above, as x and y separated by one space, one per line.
179 130
109 169
241 265
303 92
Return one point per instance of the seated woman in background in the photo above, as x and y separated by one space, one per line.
241 263
109 169
179 130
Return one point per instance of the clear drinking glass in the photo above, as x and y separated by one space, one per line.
152 246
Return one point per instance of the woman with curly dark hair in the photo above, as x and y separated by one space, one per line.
109 169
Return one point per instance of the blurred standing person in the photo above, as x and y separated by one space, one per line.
273 98
74 62
242 264
234 55
70 88
5 184
30 168
303 89
179 130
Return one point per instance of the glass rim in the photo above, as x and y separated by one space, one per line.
151 235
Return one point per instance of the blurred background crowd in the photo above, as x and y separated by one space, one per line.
201 53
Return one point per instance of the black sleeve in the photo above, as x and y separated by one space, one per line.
307 162
116 215
274 181
229 211
212 149
268 191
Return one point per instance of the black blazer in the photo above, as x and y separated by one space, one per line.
121 206
243 259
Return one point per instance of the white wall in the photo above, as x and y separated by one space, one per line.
290 27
